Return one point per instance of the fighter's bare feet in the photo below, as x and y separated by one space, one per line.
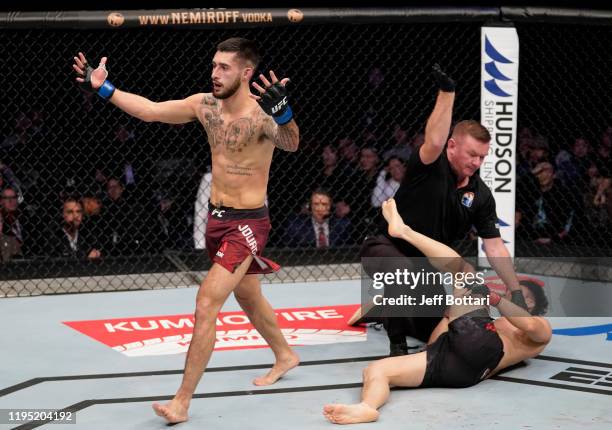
350 414
174 412
395 221
281 367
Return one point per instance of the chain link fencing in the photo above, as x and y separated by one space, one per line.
565 137
361 96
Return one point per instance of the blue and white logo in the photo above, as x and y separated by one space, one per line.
492 70
467 199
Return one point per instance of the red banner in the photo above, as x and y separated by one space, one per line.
171 334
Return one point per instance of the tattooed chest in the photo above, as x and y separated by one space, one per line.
233 136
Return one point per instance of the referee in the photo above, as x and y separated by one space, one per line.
442 197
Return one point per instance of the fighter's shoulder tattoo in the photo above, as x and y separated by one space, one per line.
209 100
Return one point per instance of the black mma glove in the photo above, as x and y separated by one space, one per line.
484 291
445 83
274 102
105 91
85 86
518 299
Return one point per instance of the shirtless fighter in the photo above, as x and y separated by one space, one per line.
243 129
465 348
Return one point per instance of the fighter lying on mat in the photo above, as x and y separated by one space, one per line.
466 347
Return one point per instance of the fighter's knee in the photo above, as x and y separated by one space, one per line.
373 371
207 307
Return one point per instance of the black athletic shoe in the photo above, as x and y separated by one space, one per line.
398 349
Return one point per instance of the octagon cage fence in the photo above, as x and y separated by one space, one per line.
361 90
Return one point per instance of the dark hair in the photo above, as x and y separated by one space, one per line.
115 178
323 192
540 142
395 157
370 148
71 198
541 302
245 49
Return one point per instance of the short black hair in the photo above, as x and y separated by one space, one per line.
395 157
71 198
245 49
541 302
322 192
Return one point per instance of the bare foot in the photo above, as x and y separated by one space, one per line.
174 412
358 317
278 370
350 414
395 221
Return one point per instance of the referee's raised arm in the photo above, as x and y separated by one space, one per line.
439 122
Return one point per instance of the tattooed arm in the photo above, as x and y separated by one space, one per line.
285 137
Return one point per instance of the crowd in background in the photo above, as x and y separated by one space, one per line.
327 195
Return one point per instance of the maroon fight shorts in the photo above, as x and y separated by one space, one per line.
234 234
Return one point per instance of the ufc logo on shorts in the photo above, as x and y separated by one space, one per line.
250 237
218 213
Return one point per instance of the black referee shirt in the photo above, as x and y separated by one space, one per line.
430 202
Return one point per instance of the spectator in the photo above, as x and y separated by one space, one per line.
597 206
172 224
8 178
318 229
344 180
417 141
200 216
388 181
401 148
69 239
349 153
527 192
556 207
125 139
126 159
370 138
372 119
540 151
525 146
331 171
9 245
91 206
572 166
369 164
364 214
121 222
9 211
